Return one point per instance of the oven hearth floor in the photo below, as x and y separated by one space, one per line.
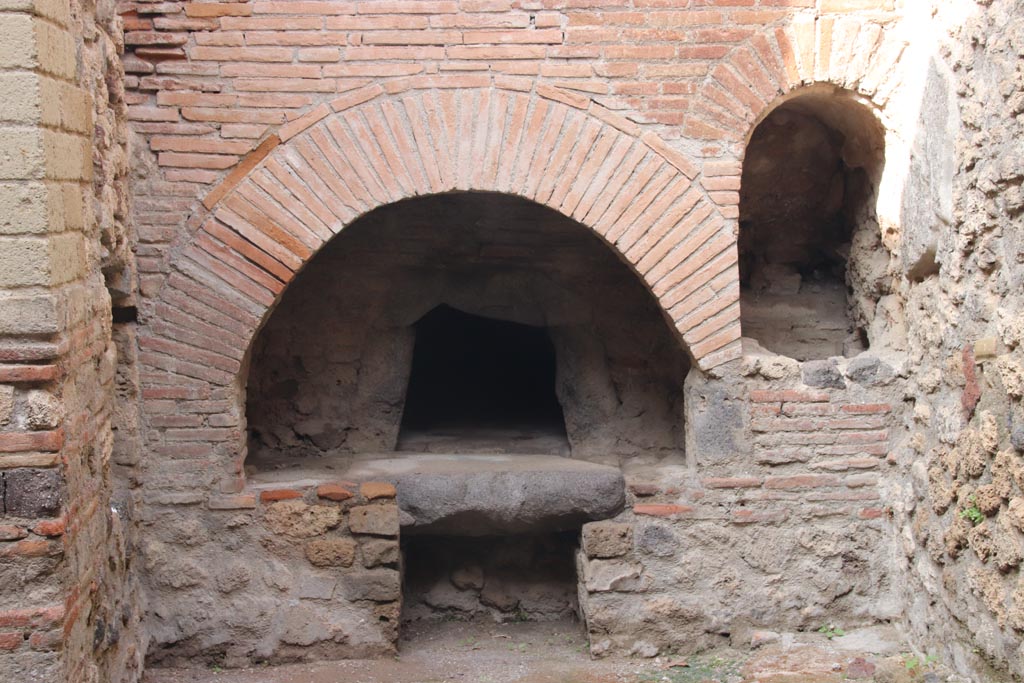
556 652
472 495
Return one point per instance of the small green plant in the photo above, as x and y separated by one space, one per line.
913 662
831 631
973 514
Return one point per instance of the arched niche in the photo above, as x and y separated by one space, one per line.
808 223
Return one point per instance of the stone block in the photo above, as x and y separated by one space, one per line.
65 106
43 410
657 540
468 577
715 420
377 520
24 207
56 50
822 374
17 42
331 552
607 539
68 156
21 153
496 594
380 552
32 492
24 261
303 627
6 403
614 575
19 97
316 587
378 585
297 519
869 371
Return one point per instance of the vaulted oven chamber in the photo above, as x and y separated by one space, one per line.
494 361
465 323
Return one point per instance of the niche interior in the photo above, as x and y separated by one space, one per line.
808 193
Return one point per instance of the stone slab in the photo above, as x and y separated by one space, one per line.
477 495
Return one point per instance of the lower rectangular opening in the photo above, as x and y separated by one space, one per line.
493 578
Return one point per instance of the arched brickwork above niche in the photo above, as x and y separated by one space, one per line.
849 53
857 57
376 145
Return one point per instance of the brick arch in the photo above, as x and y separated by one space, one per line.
854 54
370 148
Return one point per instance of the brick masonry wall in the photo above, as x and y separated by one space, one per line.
781 522
211 83
264 128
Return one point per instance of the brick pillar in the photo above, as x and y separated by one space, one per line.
57 361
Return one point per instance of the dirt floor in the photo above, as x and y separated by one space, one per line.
460 652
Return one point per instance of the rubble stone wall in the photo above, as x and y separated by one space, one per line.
962 441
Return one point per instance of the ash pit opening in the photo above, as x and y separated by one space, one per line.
477 382
490 578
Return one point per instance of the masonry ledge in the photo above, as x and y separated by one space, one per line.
470 494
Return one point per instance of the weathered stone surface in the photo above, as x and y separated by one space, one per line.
302 626
379 552
6 403
860 668
469 577
32 492
869 370
233 577
714 421
498 596
43 410
378 520
607 539
759 638
823 374
479 495
315 586
1017 438
657 540
297 519
614 575
379 585
331 552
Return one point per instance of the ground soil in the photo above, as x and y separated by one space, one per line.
555 652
